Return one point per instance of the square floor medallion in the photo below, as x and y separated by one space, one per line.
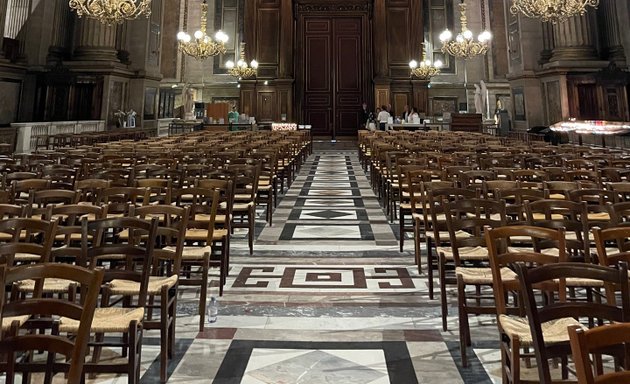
290 362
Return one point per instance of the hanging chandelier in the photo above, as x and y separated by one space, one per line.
200 45
111 12
426 69
555 11
464 46
241 70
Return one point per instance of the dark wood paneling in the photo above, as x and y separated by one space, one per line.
268 47
267 106
398 41
348 74
318 63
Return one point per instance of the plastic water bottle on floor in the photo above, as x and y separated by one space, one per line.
212 310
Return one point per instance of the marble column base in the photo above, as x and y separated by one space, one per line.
96 54
618 55
574 54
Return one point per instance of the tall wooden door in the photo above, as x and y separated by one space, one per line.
332 78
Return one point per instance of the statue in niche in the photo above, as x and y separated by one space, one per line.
478 100
189 103
131 119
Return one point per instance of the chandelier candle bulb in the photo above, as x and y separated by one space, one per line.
241 70
203 46
464 46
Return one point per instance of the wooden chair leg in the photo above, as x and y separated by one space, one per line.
164 336
401 226
443 299
430 266
416 245
464 327
251 218
204 292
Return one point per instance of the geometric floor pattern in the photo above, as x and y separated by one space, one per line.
326 298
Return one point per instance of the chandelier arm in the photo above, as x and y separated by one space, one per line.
111 12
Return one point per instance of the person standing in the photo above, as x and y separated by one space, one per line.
365 115
405 114
383 117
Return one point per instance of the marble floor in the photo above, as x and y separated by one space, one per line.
326 298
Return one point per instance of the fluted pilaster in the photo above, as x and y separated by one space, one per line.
3 16
96 41
548 44
61 30
609 22
573 40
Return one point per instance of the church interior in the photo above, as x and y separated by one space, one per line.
314 191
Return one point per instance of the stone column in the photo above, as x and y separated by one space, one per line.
609 22
548 44
60 31
573 40
3 15
96 41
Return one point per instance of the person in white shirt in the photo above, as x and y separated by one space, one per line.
383 117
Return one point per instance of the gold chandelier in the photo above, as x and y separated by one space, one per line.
111 12
203 46
241 70
464 46
426 69
555 11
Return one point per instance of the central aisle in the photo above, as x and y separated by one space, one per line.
325 298
330 207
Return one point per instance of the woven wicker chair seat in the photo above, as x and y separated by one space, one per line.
465 253
106 320
128 288
554 331
479 275
192 253
239 207
50 285
7 321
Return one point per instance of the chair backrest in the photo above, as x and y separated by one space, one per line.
550 281
613 244
131 255
36 235
502 255
90 189
69 231
603 340
172 223
572 216
82 310
472 216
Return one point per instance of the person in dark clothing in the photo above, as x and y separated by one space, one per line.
365 115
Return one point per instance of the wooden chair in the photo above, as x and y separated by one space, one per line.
46 311
165 270
468 257
223 225
245 182
557 310
436 228
511 321
37 235
601 341
199 237
90 189
160 190
126 261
